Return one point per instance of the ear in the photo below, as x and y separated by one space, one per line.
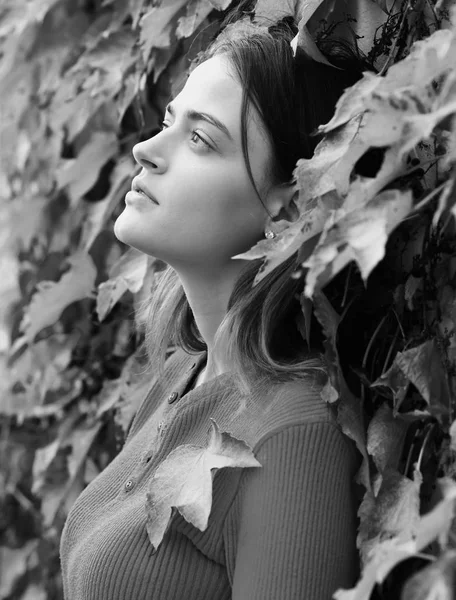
282 202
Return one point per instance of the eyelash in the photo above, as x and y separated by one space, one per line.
194 133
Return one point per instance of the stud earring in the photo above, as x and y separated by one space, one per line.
269 234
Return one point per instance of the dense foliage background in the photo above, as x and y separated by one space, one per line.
81 81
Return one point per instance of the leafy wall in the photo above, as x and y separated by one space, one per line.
80 83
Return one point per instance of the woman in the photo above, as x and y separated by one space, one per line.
214 181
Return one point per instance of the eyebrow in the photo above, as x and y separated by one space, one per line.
194 115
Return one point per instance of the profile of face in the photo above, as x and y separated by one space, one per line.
207 209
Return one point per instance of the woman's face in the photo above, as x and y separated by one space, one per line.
207 208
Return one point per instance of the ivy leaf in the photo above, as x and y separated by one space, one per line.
97 213
423 367
126 274
434 582
290 238
51 298
453 436
397 382
184 480
329 168
270 11
14 562
74 449
412 285
427 60
436 524
357 235
352 102
220 4
81 173
385 438
393 512
157 26
196 12
350 409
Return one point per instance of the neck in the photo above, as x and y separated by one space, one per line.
208 290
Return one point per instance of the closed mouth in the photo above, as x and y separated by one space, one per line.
141 190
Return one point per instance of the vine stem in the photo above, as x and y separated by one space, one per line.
393 49
390 351
371 341
426 439
429 197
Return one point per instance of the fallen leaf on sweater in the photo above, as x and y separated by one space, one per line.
184 481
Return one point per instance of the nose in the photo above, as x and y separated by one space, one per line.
147 154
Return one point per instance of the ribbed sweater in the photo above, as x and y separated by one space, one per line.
284 531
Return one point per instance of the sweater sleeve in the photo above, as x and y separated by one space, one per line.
296 516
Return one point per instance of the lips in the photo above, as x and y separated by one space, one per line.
139 186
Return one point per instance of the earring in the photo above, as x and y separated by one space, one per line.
269 234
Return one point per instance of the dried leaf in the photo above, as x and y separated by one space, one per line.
184 481
51 298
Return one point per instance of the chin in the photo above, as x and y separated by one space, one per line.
118 230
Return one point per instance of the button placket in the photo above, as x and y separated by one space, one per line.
162 427
129 485
173 397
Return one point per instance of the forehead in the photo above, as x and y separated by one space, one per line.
214 81
214 87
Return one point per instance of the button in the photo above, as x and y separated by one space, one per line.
129 484
172 397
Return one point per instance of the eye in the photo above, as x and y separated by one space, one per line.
195 138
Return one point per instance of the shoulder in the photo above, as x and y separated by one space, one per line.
295 403
297 410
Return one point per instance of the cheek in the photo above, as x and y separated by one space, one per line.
223 202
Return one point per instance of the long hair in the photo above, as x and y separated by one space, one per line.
258 337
